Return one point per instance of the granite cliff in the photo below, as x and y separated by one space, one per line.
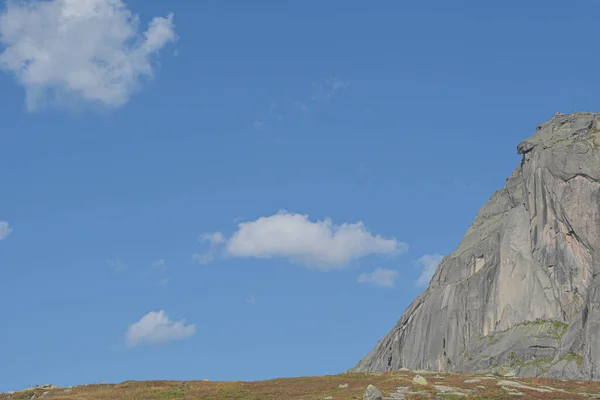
520 293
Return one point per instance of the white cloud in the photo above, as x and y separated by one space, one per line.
213 238
65 50
203 258
380 277
320 244
251 300
5 230
116 264
428 263
156 328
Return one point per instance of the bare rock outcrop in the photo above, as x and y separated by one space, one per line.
519 296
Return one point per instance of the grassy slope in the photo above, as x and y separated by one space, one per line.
308 388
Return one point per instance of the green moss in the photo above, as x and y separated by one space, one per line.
173 393
557 329
24 395
573 357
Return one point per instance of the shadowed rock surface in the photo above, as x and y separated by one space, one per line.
519 296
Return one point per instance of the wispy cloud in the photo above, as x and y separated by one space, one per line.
428 264
156 328
203 258
321 93
118 265
5 230
321 245
157 272
380 277
251 300
326 90
214 239
64 51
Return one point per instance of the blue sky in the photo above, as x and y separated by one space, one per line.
247 190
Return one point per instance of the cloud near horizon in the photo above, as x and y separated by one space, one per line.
156 328
428 264
63 51
322 244
380 277
5 230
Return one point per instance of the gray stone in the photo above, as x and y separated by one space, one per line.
518 385
512 392
343 386
419 380
372 393
452 390
521 293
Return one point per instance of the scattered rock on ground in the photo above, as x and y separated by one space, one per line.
456 391
518 385
512 392
372 393
591 395
472 381
343 386
419 380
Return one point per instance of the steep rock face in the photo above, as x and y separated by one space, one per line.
520 293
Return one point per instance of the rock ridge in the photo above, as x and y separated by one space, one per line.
519 295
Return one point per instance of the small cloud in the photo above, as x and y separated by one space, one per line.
213 238
156 328
5 230
428 263
327 90
320 244
380 277
63 51
251 300
116 264
159 263
203 258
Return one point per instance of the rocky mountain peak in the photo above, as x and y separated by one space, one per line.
563 130
520 293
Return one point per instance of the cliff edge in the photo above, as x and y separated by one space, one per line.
519 296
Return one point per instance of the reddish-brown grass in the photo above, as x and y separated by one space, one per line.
309 388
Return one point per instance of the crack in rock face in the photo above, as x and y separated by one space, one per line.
519 296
